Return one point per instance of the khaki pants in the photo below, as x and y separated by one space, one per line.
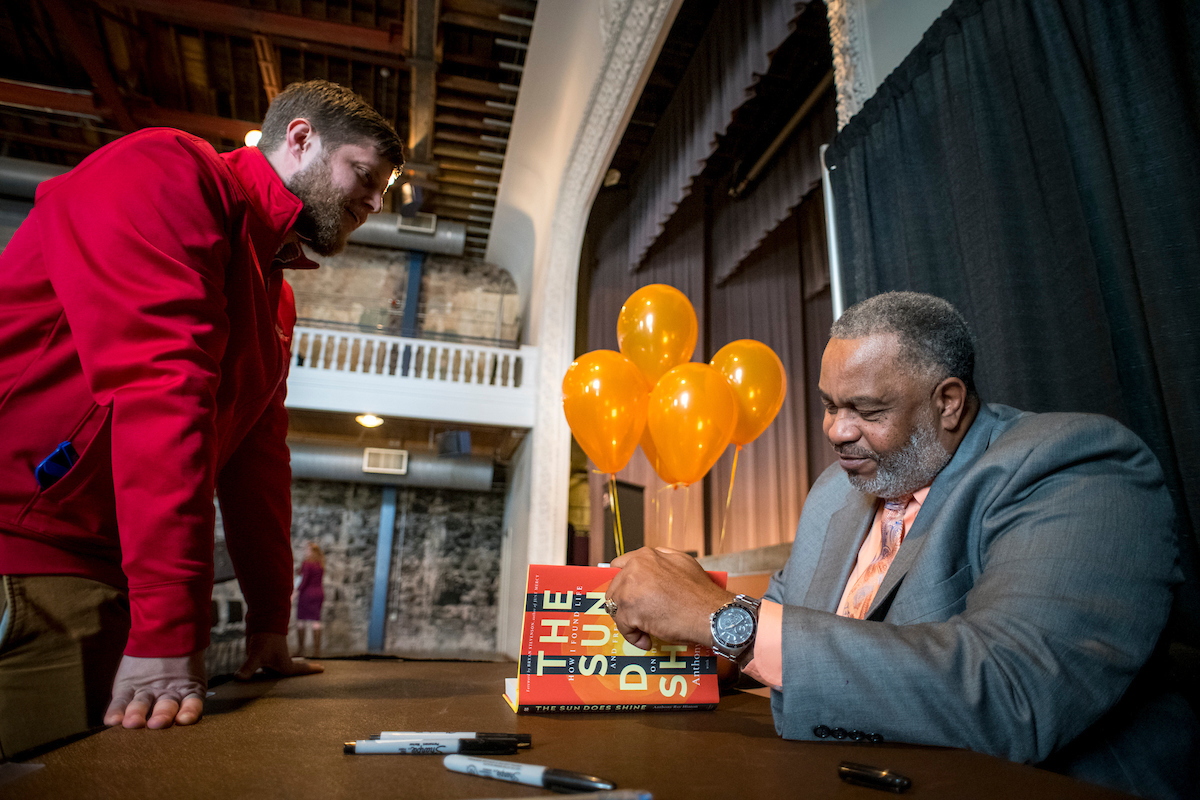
61 640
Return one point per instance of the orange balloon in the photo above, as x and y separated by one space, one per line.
692 414
657 329
605 399
758 381
652 456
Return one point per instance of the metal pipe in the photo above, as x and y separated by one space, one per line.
20 178
383 565
831 243
383 230
333 463
784 135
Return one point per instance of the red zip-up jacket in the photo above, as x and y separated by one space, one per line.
143 319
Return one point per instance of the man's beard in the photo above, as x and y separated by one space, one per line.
902 471
320 221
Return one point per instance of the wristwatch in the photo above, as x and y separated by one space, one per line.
733 626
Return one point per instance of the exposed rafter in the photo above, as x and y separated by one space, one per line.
92 58
421 20
142 115
208 13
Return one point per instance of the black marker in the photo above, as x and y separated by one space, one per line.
522 739
528 774
874 777
433 746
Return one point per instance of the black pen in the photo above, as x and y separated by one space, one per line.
433 746
528 774
874 777
522 739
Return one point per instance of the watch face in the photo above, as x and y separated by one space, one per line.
735 626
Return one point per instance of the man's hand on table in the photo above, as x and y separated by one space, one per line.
269 651
666 594
157 692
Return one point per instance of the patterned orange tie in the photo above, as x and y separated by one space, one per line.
858 601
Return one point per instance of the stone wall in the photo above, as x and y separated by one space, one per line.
367 286
444 574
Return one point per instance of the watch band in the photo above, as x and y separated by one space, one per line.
734 653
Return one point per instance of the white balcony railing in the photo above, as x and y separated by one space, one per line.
413 378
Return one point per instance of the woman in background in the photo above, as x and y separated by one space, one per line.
310 597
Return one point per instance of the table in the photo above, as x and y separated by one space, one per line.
283 739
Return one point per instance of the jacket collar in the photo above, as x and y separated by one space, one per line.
273 205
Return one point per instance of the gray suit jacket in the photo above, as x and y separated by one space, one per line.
1026 598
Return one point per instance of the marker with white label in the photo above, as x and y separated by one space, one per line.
435 746
522 739
528 774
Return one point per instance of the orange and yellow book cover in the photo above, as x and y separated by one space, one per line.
574 659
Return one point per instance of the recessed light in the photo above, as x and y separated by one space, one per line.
369 420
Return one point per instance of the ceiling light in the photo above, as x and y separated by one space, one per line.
369 420
252 138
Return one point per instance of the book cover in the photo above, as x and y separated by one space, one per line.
574 659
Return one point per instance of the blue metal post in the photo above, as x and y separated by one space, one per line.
412 295
383 565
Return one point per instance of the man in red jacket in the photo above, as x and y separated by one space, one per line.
144 343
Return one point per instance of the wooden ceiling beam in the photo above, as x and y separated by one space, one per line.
450 101
202 13
421 21
142 115
489 24
487 124
88 51
203 125
467 138
486 8
474 86
72 102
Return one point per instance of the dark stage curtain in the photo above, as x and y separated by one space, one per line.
1036 162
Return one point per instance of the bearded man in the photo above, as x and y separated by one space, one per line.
145 328
966 575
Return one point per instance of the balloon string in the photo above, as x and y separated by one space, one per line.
687 501
728 498
618 536
670 518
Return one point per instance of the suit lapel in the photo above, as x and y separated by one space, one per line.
972 447
843 538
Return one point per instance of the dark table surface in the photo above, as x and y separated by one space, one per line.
283 738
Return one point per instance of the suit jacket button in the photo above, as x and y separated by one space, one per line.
839 733
821 731
875 737
857 736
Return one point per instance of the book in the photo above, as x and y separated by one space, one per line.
573 658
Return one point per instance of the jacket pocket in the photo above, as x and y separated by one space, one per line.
935 603
80 504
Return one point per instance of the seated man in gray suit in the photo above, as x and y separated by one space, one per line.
966 575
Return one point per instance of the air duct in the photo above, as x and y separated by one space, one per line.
384 230
331 463
20 178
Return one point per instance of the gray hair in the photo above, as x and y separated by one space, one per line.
934 337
